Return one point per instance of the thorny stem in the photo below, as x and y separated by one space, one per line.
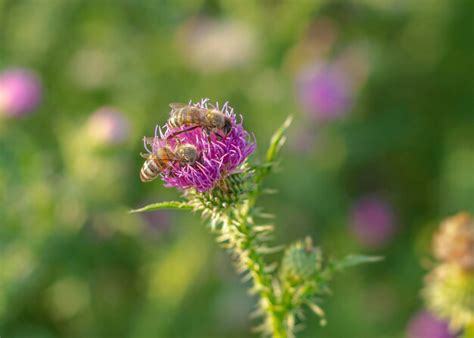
242 240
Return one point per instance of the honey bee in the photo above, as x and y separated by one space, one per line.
158 161
210 120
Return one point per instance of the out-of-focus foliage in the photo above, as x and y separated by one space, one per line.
382 96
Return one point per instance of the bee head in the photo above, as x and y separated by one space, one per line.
187 153
227 126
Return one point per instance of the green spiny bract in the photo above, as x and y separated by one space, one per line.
227 196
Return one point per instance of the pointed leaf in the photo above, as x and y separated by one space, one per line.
277 140
353 260
164 205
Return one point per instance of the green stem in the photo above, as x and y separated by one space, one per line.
244 243
278 327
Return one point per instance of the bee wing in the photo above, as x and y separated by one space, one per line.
177 105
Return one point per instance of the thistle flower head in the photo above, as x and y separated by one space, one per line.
449 293
449 288
220 154
454 241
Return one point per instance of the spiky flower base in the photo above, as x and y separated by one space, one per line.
228 194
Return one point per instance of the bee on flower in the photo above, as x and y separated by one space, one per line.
159 160
201 127
210 120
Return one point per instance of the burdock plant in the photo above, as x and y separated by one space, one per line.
223 186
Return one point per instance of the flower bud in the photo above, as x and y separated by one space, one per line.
454 241
300 262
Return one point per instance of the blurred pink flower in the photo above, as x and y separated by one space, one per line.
324 92
372 221
20 92
425 325
213 46
108 126
157 221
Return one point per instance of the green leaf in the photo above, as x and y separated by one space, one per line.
353 260
263 169
164 205
278 140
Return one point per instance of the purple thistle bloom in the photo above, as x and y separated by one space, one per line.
425 325
20 92
219 155
372 221
324 92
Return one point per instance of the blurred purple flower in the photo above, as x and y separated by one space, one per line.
303 140
108 126
157 221
324 92
372 221
218 156
425 325
20 92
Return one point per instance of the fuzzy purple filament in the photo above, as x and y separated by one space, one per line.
219 155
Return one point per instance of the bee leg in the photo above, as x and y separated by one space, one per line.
182 131
145 143
219 135
208 133
177 143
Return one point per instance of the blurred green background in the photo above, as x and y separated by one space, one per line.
381 150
